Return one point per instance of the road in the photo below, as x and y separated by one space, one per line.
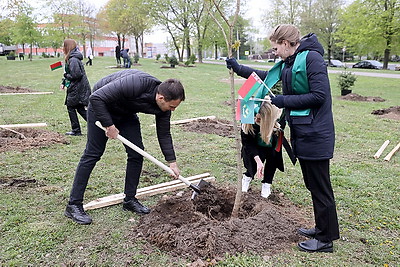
360 73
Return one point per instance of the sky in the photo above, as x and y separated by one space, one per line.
253 6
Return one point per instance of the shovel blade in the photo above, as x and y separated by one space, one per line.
201 185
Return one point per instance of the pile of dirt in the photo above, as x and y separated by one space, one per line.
389 113
21 139
357 97
202 229
10 89
17 182
211 126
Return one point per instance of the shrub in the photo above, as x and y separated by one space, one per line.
158 57
346 80
173 61
136 58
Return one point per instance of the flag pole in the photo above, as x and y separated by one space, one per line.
267 88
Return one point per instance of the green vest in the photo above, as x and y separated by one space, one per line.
299 80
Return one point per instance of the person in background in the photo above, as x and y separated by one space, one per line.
76 84
118 54
262 158
126 58
115 102
89 55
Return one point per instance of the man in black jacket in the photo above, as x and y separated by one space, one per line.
114 102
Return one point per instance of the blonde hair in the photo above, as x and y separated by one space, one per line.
268 122
69 45
286 32
269 115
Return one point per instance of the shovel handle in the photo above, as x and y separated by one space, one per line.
148 156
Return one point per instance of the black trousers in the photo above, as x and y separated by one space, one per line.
73 116
129 127
272 161
317 180
90 62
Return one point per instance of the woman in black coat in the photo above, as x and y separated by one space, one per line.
77 84
308 107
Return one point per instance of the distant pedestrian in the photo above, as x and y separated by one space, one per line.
118 54
77 84
89 55
126 57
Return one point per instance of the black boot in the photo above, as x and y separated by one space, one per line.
310 233
77 214
135 206
314 245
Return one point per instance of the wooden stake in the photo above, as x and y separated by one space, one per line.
26 125
391 153
145 191
190 120
11 130
31 93
380 150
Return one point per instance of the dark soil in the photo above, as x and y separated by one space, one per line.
220 127
9 89
357 97
21 139
202 229
389 113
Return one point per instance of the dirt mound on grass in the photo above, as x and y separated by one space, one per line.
210 126
10 89
201 229
389 113
357 97
21 139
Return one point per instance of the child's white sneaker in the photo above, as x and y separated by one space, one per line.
265 190
245 183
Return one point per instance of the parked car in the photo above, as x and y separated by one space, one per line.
334 63
368 64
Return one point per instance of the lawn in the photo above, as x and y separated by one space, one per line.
34 231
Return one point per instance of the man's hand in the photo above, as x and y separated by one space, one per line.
174 167
62 87
260 167
112 132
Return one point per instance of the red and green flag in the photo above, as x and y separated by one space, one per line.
56 65
250 86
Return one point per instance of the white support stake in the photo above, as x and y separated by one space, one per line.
391 153
380 150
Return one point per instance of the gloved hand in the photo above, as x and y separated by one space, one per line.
278 101
231 63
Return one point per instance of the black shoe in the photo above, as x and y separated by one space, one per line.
74 133
314 245
310 233
135 206
77 214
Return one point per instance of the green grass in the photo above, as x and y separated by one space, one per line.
34 231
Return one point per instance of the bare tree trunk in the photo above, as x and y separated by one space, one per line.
229 41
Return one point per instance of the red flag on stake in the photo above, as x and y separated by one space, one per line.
250 86
56 65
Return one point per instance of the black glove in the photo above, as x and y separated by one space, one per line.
231 63
277 101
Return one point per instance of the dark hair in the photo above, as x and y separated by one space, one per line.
172 89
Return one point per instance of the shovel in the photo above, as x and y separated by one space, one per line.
195 188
